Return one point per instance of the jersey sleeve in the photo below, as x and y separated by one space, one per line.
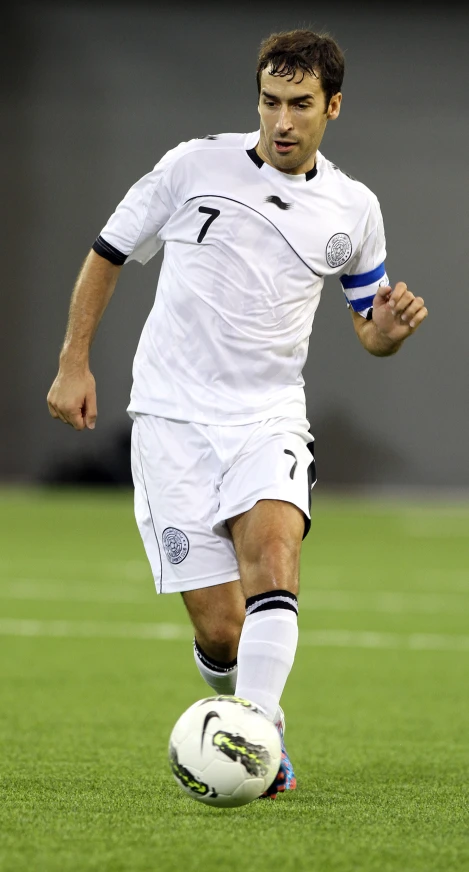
132 231
367 271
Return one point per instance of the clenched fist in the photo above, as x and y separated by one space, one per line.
397 313
72 398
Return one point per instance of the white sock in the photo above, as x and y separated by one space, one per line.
221 677
267 648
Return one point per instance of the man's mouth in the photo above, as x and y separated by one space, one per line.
282 146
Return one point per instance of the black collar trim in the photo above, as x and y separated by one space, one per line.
252 153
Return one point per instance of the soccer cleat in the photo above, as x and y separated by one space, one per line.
285 778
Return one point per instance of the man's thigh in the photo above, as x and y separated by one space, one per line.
276 462
176 477
265 500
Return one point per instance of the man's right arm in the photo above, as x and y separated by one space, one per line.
131 233
72 396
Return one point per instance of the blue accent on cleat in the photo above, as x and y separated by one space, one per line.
285 778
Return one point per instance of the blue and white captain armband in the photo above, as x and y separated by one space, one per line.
360 289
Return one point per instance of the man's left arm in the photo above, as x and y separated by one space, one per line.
396 315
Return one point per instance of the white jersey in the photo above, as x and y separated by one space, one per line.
247 248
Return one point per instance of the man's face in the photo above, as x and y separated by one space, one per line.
293 120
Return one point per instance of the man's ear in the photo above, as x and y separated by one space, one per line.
333 110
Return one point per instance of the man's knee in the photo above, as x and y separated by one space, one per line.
272 550
219 639
268 541
272 563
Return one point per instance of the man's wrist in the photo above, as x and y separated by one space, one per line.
379 343
74 358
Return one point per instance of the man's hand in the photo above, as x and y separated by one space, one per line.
397 313
72 398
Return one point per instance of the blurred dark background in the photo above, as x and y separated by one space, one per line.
94 94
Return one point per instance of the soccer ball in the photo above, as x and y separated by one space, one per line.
223 751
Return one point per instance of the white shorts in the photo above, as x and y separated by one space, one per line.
190 478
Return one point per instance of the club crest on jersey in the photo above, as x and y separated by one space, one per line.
175 544
338 249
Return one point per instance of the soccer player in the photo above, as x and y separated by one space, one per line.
222 457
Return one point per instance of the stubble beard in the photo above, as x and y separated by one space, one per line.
289 162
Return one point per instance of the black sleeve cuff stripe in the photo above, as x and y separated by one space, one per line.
100 246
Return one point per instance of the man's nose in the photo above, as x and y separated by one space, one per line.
284 122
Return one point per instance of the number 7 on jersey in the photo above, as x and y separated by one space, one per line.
214 213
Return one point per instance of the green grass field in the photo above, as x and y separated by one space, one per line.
95 669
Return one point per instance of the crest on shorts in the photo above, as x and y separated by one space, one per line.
338 249
175 544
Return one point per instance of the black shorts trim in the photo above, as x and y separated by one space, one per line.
312 478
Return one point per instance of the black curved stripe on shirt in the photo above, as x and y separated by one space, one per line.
240 203
252 153
100 246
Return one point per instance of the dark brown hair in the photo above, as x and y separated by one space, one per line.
293 50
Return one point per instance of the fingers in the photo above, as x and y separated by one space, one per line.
66 414
412 310
418 318
77 421
55 412
74 419
384 292
90 411
409 309
72 399
400 298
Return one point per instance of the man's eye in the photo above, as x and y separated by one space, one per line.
269 103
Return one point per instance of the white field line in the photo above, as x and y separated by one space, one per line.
370 639
78 573
451 579
387 602
68 571
429 530
440 513
431 522
131 570
176 632
93 629
75 591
